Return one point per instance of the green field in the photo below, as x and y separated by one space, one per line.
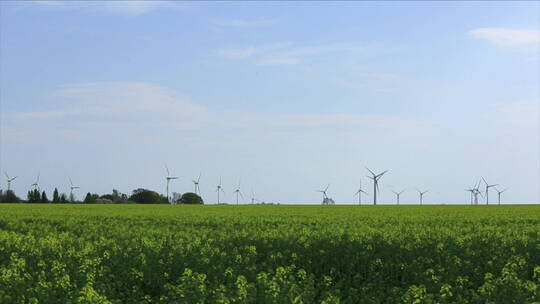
269 254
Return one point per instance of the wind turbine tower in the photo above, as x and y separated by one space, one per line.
397 195
238 192
499 193
169 178
421 195
375 179
196 183
359 193
9 180
487 190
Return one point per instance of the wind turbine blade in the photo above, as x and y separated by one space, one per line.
327 188
357 193
378 176
5 173
70 181
370 171
241 194
14 178
38 177
199 179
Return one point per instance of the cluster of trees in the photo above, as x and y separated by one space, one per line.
138 196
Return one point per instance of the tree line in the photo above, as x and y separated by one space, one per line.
138 196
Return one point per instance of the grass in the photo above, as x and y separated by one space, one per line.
269 254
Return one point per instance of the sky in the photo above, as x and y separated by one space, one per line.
281 97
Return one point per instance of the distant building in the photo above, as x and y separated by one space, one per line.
328 201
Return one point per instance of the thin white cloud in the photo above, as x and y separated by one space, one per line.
131 8
283 53
135 105
246 52
278 61
518 39
246 23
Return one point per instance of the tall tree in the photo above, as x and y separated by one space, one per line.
44 198
56 197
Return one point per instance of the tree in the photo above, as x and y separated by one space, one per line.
34 196
56 197
116 197
44 198
90 198
191 198
145 196
63 198
11 197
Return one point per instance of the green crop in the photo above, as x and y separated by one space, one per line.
269 254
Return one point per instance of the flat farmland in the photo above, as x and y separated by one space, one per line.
269 254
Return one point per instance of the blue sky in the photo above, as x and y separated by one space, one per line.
287 97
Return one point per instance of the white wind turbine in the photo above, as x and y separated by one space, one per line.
324 196
477 192
359 193
397 195
196 183
71 188
487 190
499 193
9 180
169 178
238 192
253 199
375 179
219 189
422 195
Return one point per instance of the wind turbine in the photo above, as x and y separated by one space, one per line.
472 193
36 184
359 193
9 180
499 193
476 192
375 179
196 183
324 196
487 190
253 199
397 195
169 178
219 189
238 192
71 188
421 195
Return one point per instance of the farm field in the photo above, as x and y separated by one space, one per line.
269 254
